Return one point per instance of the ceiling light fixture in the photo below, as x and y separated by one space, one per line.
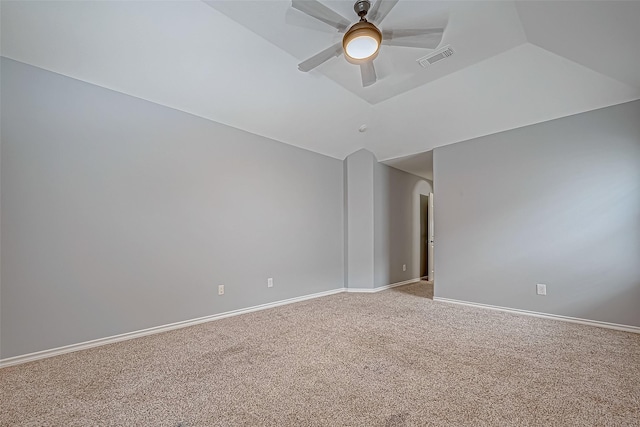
362 42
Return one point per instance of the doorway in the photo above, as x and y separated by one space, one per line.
430 239
426 237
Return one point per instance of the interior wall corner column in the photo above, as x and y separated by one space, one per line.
359 229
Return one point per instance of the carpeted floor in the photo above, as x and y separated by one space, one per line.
392 358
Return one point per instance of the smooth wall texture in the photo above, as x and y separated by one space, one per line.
0 198
397 235
555 203
359 211
119 214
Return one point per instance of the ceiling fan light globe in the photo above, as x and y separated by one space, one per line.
362 47
362 41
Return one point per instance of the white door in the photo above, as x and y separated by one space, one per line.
430 238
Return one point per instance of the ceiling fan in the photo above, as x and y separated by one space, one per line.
362 40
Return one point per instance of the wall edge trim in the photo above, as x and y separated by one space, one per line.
57 351
43 354
381 288
588 322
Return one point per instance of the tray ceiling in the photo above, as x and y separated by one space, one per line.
235 62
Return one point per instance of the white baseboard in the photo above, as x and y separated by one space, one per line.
616 326
155 330
10 361
380 288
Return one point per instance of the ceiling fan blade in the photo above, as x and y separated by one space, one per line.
319 58
380 10
317 10
425 38
368 72
396 34
298 19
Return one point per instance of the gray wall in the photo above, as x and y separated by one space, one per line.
359 209
397 238
382 207
555 203
0 200
119 214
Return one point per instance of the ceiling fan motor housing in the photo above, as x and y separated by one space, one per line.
361 42
362 7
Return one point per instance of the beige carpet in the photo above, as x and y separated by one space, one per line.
388 359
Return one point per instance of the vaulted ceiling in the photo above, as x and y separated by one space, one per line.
235 62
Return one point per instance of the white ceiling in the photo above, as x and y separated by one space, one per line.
475 30
235 62
420 164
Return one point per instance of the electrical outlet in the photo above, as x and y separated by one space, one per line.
270 282
404 267
541 289
220 289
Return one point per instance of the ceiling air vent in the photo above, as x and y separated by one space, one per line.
436 56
